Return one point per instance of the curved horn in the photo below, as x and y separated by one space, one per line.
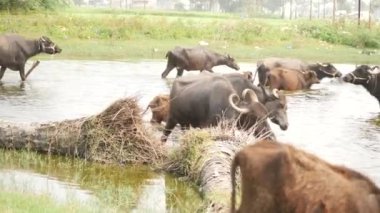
241 110
252 95
374 68
275 93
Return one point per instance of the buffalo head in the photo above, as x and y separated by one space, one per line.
47 46
253 113
327 70
361 75
229 61
275 102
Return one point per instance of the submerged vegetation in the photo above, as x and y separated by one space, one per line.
22 202
126 34
205 156
116 188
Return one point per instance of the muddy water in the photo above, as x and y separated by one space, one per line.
332 120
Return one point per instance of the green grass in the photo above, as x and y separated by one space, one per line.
106 34
13 202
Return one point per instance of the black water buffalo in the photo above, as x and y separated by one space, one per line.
321 69
203 100
364 75
197 58
273 100
15 50
278 178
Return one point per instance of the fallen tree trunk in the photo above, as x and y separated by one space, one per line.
56 137
116 135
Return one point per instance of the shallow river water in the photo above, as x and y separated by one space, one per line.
332 120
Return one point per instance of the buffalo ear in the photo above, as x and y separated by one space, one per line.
309 74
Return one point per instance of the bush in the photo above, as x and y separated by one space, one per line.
346 34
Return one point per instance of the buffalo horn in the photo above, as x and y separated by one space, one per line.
375 69
252 95
275 93
231 100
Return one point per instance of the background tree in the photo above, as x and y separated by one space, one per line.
32 4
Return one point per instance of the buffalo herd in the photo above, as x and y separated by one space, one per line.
275 177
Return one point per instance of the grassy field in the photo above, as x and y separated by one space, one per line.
105 34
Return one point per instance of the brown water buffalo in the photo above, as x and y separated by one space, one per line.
160 109
197 58
15 50
321 69
204 100
277 177
287 79
273 100
364 75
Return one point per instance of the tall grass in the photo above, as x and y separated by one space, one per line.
118 34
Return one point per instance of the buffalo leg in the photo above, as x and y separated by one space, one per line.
179 72
169 68
22 73
210 70
35 64
168 129
2 70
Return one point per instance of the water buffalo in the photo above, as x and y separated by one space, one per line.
197 58
364 75
277 177
273 100
203 100
321 69
287 79
160 109
15 50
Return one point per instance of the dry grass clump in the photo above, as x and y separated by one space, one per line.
205 156
117 135
195 143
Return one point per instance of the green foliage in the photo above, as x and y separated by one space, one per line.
13 5
187 160
345 34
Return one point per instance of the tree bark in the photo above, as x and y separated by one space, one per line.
49 138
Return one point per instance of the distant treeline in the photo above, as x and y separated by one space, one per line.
12 5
